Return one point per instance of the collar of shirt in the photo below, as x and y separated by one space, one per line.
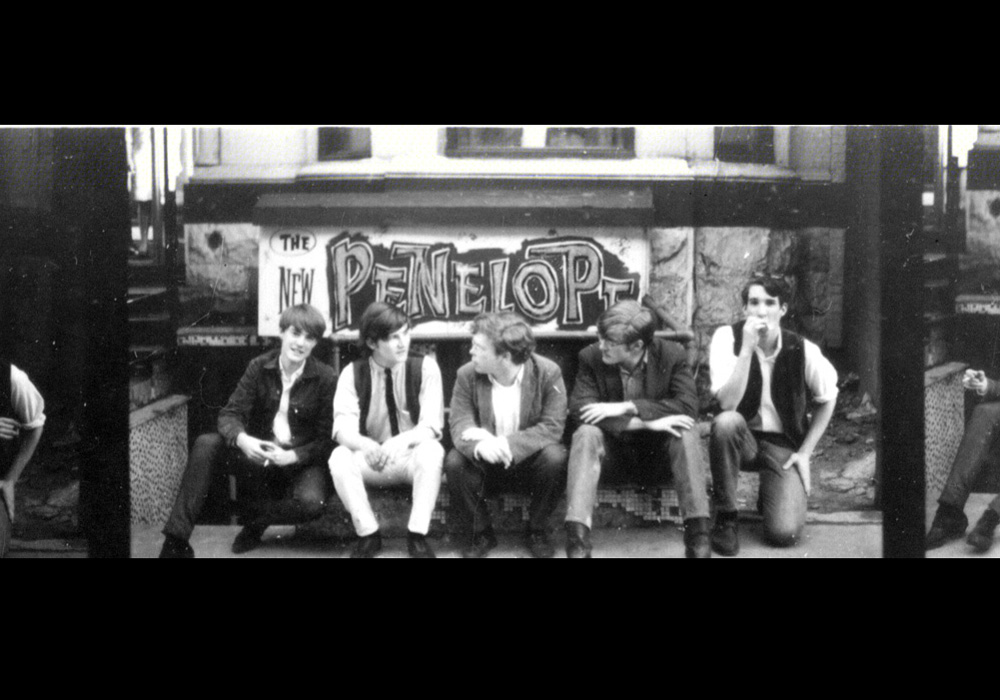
517 380
639 367
288 380
777 349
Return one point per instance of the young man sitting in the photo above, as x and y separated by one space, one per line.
508 412
388 417
635 403
274 435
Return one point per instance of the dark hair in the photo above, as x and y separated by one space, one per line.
508 332
304 317
378 322
774 285
626 322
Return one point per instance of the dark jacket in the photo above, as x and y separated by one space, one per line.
543 408
253 405
668 387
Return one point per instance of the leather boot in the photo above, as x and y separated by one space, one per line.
981 537
949 524
577 540
696 540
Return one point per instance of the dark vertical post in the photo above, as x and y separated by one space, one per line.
901 441
91 199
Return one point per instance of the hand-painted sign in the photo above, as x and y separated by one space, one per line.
559 279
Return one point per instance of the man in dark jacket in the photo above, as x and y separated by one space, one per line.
763 377
274 434
635 403
979 443
508 413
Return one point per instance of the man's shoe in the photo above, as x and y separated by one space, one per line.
539 544
577 540
248 538
418 546
949 524
481 544
368 546
725 534
176 548
981 537
696 541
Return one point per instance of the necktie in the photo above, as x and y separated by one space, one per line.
390 402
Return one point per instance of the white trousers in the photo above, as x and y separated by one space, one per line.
421 467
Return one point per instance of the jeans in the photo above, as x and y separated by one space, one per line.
645 455
783 501
290 495
978 442
543 474
421 468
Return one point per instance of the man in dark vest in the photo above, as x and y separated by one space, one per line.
763 377
22 415
273 435
388 414
634 404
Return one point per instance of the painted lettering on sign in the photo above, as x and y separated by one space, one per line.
293 242
567 279
295 287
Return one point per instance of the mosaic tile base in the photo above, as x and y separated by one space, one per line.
158 453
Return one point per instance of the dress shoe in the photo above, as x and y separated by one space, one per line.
368 546
539 544
176 548
725 534
696 541
577 540
418 546
248 538
481 544
981 537
949 524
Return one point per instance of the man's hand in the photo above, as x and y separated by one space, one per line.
257 451
7 493
975 380
801 461
375 456
596 412
281 457
754 330
671 424
476 434
494 450
9 428
396 447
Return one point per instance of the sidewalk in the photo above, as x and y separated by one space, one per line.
849 534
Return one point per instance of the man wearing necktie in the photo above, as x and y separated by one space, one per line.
508 412
388 416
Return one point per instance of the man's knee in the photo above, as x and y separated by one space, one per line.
727 424
342 463
456 467
429 455
784 533
588 435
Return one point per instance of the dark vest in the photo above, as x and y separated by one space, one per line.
6 411
788 384
363 388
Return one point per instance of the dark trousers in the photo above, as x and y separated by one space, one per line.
783 501
978 442
267 495
543 474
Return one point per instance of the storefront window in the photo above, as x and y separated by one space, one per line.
745 144
521 142
344 143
